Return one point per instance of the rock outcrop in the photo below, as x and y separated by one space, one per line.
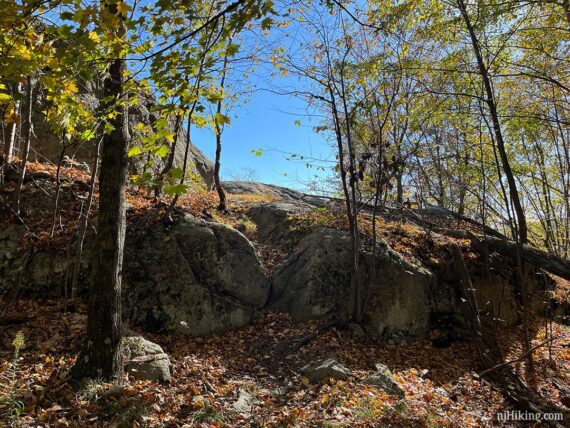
314 283
200 278
46 145
273 220
195 278
192 277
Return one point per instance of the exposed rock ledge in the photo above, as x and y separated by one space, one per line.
200 278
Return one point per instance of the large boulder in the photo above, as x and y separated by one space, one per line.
195 277
315 283
192 277
398 294
260 189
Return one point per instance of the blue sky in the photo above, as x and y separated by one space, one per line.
267 121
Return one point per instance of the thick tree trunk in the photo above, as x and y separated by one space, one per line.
491 103
102 354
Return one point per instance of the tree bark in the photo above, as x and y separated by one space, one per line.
11 142
219 129
28 129
102 354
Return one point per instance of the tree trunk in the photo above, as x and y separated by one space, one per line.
102 355
28 129
11 142
221 194
491 103
399 189
219 129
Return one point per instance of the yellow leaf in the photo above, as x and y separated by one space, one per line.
94 36
11 117
70 88
305 381
122 8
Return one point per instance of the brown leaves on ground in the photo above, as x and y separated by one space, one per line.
441 385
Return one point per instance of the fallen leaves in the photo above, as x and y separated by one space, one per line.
441 385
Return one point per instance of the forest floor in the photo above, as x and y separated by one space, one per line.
442 387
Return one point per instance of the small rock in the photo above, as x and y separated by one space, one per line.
113 393
383 379
326 369
244 402
146 360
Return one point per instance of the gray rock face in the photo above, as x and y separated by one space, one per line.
146 360
398 295
272 219
324 370
196 278
252 188
46 145
9 240
314 283
41 273
382 378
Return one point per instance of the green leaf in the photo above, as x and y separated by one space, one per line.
176 173
176 190
163 150
134 151
87 135
221 119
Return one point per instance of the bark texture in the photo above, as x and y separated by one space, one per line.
102 354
